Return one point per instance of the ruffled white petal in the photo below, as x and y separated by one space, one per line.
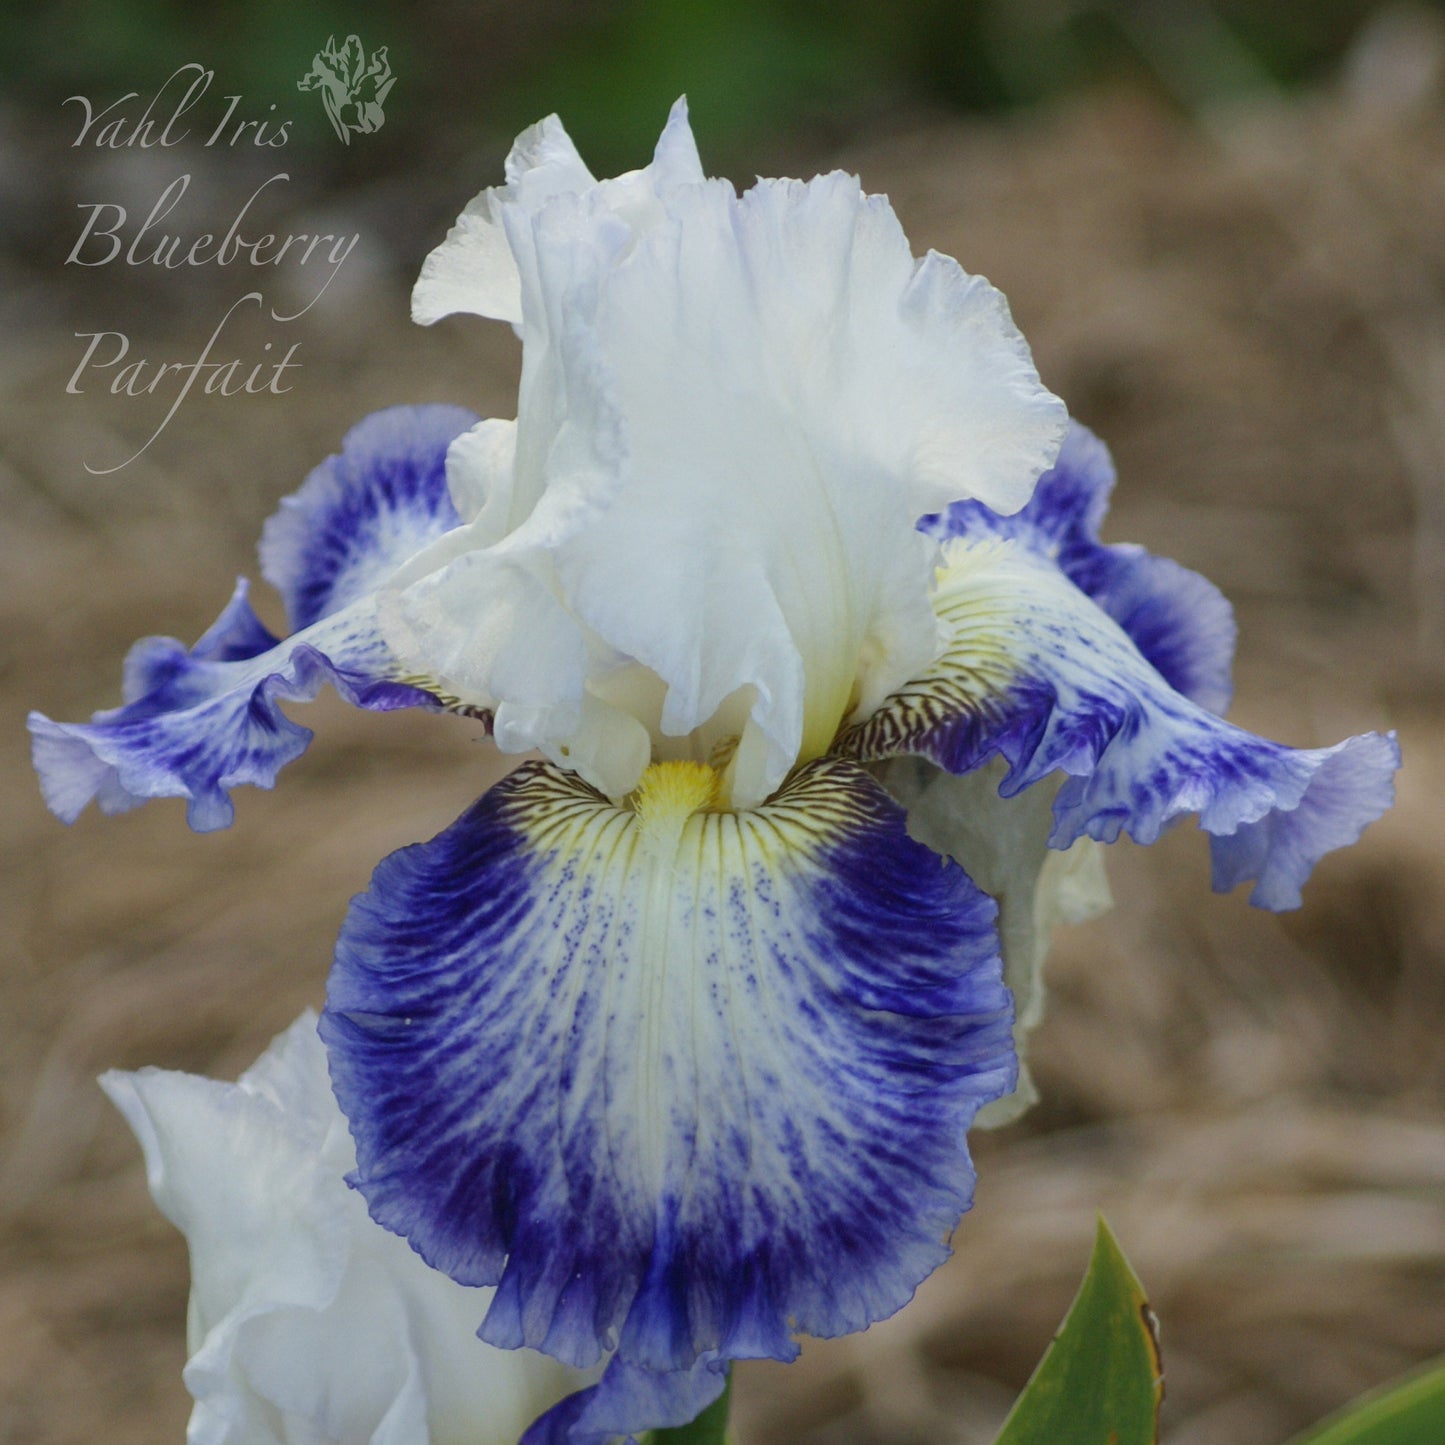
309 1324
479 477
474 271
733 410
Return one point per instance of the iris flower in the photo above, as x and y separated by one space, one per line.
309 1324
789 569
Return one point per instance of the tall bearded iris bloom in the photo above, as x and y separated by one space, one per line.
675 1036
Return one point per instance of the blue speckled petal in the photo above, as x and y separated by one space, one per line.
364 511
207 726
675 1080
197 722
1178 620
1032 670
627 1402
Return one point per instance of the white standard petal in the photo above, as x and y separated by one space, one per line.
733 411
308 1323
474 269
479 478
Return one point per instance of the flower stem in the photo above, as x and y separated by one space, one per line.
710 1428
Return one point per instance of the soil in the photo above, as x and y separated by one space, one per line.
1251 311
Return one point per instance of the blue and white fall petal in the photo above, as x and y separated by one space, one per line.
197 722
1034 672
674 1037
680 1079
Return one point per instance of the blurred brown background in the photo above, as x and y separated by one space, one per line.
1223 230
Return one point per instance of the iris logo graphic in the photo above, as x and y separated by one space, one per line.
353 89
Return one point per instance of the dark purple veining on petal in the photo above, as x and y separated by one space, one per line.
483 1052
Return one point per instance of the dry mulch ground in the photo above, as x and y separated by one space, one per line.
1251 313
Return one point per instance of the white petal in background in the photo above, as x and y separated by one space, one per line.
309 1324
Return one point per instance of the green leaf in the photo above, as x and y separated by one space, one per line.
1101 1381
1409 1411
710 1428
